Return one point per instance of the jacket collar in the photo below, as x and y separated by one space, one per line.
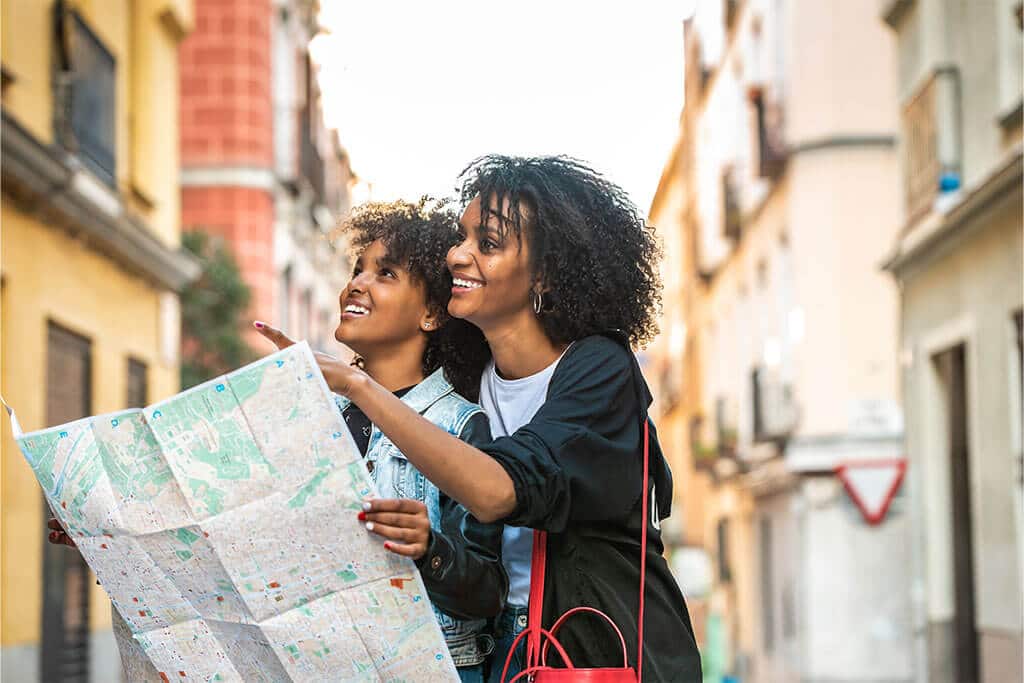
420 397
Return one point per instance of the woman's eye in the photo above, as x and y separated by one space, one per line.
387 272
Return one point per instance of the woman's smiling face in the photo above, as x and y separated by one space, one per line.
382 304
490 269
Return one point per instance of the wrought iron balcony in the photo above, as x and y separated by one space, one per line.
931 142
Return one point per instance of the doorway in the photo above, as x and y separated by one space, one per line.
951 366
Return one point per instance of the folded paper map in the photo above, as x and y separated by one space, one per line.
222 523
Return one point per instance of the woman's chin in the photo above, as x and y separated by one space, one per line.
458 311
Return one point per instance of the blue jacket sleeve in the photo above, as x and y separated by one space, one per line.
462 567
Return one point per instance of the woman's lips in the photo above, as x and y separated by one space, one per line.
462 284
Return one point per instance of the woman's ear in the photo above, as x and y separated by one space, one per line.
540 286
431 321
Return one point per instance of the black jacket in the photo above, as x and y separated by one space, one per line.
577 470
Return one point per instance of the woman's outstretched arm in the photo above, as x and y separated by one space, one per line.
463 472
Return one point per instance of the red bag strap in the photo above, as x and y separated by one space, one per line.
536 606
643 557
538 565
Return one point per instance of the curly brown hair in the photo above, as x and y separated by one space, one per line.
590 247
418 236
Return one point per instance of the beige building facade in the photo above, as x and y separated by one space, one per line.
956 256
777 208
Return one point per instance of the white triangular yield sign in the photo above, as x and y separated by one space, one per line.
872 485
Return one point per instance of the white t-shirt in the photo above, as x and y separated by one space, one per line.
510 404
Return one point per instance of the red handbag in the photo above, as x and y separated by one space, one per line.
536 669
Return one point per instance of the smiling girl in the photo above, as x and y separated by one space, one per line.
393 316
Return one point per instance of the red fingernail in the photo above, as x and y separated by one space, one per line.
387 546
258 325
361 516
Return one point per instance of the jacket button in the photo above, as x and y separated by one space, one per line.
369 466
435 563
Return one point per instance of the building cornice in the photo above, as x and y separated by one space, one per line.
934 234
823 453
250 177
841 141
48 181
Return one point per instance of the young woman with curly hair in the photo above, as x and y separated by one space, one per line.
394 317
558 270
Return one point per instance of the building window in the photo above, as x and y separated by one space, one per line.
306 315
284 314
732 216
788 611
757 403
771 149
88 101
724 568
1018 418
138 386
767 585
309 155
1018 323
65 641
731 10
6 78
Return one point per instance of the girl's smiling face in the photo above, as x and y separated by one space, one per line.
382 305
490 270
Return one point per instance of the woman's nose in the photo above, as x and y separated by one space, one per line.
459 255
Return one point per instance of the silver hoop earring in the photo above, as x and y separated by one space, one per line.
538 302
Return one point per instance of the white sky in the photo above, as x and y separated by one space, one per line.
419 89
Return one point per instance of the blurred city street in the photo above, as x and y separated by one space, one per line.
837 187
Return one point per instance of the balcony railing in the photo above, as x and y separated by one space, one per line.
931 142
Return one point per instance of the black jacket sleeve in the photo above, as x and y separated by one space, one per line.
580 457
462 567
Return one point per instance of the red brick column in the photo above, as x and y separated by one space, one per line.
227 139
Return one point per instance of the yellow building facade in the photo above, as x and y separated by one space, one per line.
91 269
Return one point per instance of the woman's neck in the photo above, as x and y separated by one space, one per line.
520 348
395 367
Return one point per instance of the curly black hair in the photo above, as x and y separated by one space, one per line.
594 255
418 236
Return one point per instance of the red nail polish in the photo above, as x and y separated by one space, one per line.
387 546
258 325
361 516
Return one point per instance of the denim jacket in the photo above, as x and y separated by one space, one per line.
462 567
